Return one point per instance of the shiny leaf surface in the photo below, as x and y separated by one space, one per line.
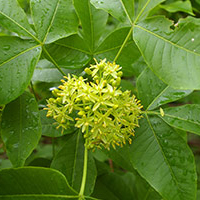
18 60
185 117
173 55
53 19
153 92
21 129
34 183
171 169
69 160
13 18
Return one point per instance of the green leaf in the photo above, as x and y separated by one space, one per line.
13 18
124 10
18 60
178 6
153 92
144 7
46 72
34 183
130 58
21 129
120 9
185 117
174 55
111 186
121 157
93 22
69 160
144 190
67 58
49 128
163 158
53 19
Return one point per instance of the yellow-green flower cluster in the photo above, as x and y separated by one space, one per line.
106 115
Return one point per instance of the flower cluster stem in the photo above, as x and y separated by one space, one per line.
81 193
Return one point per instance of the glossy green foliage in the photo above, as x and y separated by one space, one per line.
171 168
21 128
69 160
157 44
185 117
153 92
34 183
170 53
18 60
51 22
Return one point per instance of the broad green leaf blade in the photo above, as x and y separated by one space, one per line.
46 72
153 92
174 55
122 10
75 42
53 19
49 128
130 58
185 117
144 7
13 18
111 186
67 58
34 183
69 160
93 22
121 157
144 190
178 6
163 158
127 10
18 60
21 128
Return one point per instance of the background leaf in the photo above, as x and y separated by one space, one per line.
171 169
53 19
111 186
49 128
173 55
21 129
18 60
33 183
93 22
69 160
178 6
153 92
185 117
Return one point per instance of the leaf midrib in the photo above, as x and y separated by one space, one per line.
20 26
23 52
166 160
168 41
51 22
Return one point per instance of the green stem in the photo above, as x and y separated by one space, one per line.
81 193
124 43
53 61
33 91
